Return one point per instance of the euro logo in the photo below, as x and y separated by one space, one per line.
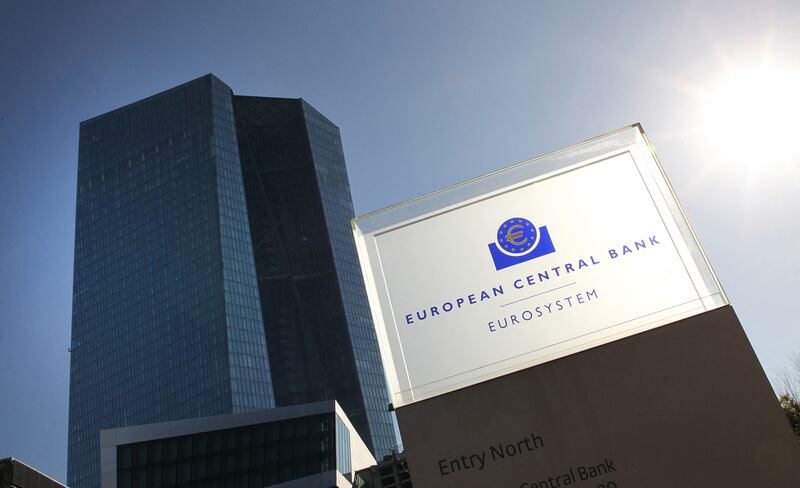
518 240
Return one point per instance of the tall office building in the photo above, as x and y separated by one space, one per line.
215 271
319 330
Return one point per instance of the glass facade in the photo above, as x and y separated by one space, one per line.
344 461
337 203
317 320
215 271
251 456
166 316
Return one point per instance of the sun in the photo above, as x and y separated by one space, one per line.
753 116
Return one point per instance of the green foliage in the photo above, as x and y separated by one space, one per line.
790 399
791 407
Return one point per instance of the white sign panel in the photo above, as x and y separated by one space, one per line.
544 259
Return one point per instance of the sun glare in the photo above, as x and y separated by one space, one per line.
753 116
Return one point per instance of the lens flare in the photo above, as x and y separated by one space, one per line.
753 116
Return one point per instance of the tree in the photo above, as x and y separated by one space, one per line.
792 410
790 399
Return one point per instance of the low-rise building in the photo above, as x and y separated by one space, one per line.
391 472
306 445
16 474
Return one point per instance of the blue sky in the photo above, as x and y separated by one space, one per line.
427 94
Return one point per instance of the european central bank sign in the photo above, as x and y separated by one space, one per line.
540 260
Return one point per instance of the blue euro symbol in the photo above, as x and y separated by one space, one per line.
519 241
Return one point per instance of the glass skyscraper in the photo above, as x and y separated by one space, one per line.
215 271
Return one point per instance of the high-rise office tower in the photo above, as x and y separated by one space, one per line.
215 271
319 330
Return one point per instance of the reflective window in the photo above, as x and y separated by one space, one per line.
251 456
166 320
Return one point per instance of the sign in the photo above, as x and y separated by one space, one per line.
544 259
683 405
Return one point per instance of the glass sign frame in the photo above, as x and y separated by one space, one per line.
528 264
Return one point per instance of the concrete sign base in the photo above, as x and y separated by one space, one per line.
686 404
